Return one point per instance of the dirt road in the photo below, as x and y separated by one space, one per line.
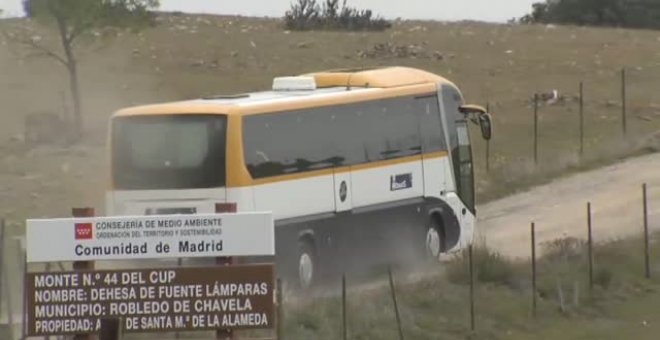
559 208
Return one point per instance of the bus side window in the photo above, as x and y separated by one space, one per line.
393 130
431 128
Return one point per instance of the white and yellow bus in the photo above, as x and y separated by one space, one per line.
352 164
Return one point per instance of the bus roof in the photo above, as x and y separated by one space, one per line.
330 87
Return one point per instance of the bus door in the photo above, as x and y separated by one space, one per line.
343 196
461 156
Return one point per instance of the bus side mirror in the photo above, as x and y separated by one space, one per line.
483 118
486 124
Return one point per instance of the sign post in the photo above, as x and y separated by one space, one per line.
81 265
224 334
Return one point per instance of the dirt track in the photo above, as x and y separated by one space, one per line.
559 208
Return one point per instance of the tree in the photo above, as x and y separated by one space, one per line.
75 19
308 14
618 13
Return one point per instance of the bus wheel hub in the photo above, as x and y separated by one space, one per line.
433 242
305 270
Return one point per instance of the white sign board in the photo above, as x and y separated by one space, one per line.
150 237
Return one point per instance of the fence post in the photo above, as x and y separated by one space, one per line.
2 258
581 120
111 329
533 270
396 306
471 264
4 280
536 128
10 306
280 310
623 102
590 249
647 264
82 265
23 256
225 334
343 307
488 145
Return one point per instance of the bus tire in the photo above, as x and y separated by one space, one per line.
307 265
434 239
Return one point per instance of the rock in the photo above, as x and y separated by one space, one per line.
388 49
197 63
20 138
612 103
305 44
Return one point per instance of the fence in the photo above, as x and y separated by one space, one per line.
12 266
575 124
397 312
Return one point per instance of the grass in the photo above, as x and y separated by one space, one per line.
192 56
622 303
489 267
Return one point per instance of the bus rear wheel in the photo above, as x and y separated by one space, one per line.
307 265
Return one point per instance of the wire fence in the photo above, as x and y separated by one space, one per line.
564 128
579 125
12 265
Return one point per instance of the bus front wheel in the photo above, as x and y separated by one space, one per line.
434 240
307 264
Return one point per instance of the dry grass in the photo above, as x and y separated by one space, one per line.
190 56
621 304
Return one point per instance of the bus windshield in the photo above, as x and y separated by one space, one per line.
168 152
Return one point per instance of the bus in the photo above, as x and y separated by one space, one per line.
354 164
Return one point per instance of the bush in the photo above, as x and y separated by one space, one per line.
309 15
489 267
615 13
568 249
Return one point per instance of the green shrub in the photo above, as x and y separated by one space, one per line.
613 13
565 249
309 15
489 267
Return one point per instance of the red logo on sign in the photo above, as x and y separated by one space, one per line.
83 231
